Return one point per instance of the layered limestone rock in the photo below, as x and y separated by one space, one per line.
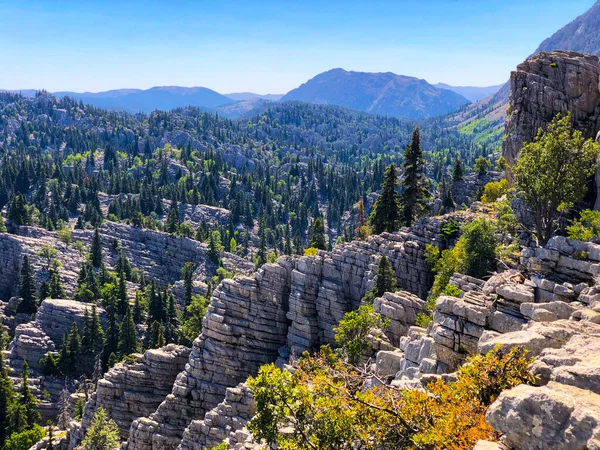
132 390
157 255
547 84
282 310
226 422
466 191
56 316
244 327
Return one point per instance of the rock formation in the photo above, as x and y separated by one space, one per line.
547 84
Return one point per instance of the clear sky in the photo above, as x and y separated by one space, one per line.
266 46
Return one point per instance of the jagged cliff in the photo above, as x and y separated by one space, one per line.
547 84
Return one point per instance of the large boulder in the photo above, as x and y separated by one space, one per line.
554 417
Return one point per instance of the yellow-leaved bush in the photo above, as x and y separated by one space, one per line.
326 404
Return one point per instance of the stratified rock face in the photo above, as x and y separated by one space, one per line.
158 255
244 327
29 344
465 191
282 310
56 316
227 421
547 84
129 391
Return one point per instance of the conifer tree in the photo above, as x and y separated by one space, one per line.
317 237
128 340
261 255
111 338
6 401
55 288
123 300
27 289
173 218
96 250
457 171
385 280
103 433
187 274
74 346
386 214
156 338
26 399
138 311
416 193
64 415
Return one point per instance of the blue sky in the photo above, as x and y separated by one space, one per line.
267 46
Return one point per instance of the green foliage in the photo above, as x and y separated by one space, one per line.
452 291
415 194
431 255
103 433
480 247
194 313
451 261
96 250
493 190
423 320
450 229
25 439
385 280
457 170
352 331
386 211
482 165
128 339
553 170
27 289
322 405
317 235
506 220
586 227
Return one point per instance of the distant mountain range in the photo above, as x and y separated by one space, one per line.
471 93
239 96
159 97
378 93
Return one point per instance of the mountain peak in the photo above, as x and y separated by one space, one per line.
382 93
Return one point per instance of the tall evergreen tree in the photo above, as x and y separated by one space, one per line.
457 170
173 220
386 214
96 250
187 273
56 289
415 193
6 401
27 289
123 301
317 236
27 401
128 340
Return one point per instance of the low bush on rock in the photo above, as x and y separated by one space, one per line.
326 403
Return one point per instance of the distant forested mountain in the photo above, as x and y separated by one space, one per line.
378 93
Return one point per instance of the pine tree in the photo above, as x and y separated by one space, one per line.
26 399
6 401
317 236
128 340
27 289
457 170
386 211
261 255
74 346
187 273
64 415
173 218
172 320
111 338
214 251
96 250
138 311
123 301
55 288
385 280
156 338
416 193
103 433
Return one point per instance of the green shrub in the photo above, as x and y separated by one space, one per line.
450 229
423 320
25 439
480 248
452 291
586 227
494 190
450 261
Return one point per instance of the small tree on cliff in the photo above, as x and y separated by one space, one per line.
386 211
385 280
317 236
553 171
103 433
27 289
415 183
96 250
